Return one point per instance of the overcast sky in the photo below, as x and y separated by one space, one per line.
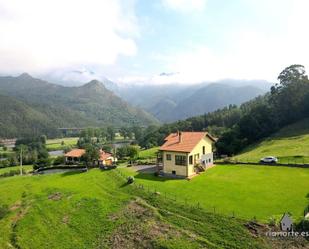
136 40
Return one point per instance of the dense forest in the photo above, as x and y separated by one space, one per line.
237 127
31 107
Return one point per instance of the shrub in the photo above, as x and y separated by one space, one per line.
130 179
303 225
59 160
41 163
3 211
12 172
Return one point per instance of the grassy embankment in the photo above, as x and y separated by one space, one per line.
290 145
97 210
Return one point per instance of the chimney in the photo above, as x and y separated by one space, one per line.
180 137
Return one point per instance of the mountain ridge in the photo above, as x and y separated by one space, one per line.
89 105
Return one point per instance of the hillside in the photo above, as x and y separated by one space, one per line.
20 119
57 106
97 210
290 145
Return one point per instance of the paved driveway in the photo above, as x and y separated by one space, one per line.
145 168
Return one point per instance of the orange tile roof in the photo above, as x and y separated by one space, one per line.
188 141
104 155
80 152
75 153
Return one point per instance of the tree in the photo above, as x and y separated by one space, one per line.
43 139
128 151
110 133
92 154
289 95
138 132
21 152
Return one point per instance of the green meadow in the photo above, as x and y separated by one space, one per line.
290 145
246 191
98 210
148 153
56 144
26 168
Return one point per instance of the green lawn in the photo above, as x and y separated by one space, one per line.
149 153
290 145
27 168
55 144
248 191
8 151
97 210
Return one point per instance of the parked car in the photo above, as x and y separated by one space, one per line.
269 159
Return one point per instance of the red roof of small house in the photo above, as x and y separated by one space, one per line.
75 153
104 155
184 141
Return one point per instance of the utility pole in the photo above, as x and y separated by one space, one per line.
114 154
21 160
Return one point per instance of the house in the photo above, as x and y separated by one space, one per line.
106 159
185 154
286 223
75 155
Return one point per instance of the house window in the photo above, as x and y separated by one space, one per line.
190 159
203 150
168 157
181 160
174 172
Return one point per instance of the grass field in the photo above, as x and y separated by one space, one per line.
55 144
248 191
149 153
290 145
27 168
97 210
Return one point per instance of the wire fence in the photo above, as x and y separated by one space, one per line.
300 163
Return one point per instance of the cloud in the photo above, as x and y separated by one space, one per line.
40 35
247 53
185 5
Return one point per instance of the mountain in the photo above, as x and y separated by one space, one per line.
173 102
88 105
211 98
20 119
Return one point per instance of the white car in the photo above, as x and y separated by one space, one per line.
269 159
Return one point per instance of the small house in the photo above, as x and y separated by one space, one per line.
75 155
106 159
185 154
